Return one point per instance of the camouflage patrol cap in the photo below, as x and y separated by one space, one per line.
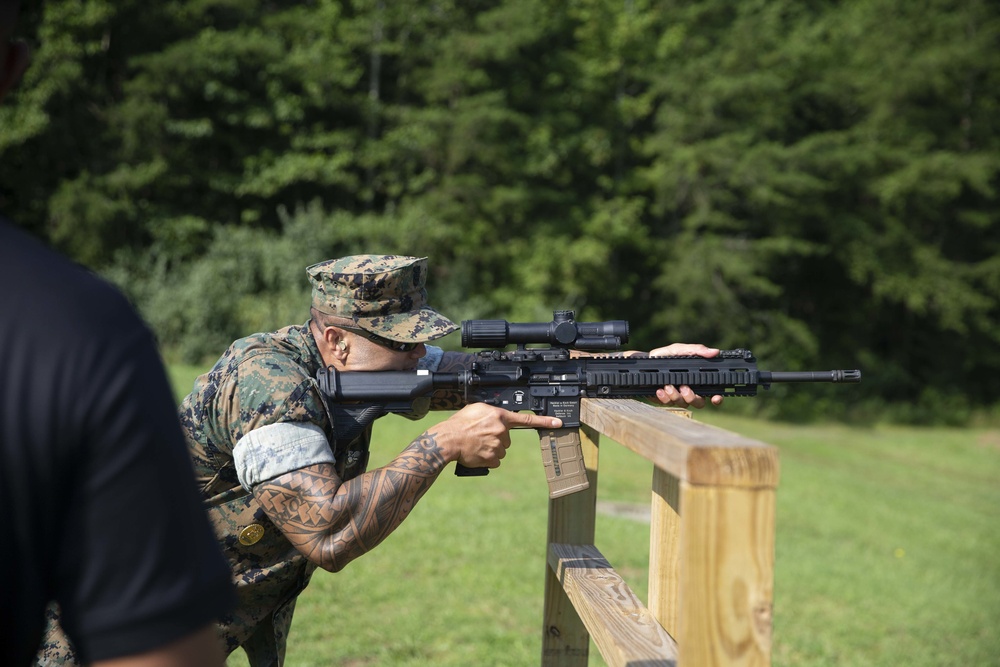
383 294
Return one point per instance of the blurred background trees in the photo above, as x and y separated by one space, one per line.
814 180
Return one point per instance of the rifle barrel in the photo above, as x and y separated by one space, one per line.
810 376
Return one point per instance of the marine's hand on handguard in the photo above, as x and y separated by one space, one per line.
684 397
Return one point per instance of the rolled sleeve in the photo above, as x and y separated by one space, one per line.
269 451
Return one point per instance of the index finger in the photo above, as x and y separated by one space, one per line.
529 420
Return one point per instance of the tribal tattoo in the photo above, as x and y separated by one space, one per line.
333 522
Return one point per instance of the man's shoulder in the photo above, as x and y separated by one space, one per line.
49 282
262 368
47 294
281 353
255 383
286 342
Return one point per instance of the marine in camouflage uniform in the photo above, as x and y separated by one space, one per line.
267 382
260 432
261 437
268 379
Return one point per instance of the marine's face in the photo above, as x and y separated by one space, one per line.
366 355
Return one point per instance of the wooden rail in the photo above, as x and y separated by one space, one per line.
711 565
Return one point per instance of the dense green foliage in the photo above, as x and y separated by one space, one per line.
814 180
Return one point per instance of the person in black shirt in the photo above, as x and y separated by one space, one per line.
101 514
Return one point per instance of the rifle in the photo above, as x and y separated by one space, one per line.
547 381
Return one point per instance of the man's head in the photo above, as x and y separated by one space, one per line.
13 55
381 295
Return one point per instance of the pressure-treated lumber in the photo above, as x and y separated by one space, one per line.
665 550
711 550
726 576
565 640
690 451
621 626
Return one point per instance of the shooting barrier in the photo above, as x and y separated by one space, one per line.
711 563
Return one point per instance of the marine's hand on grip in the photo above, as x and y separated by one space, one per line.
478 435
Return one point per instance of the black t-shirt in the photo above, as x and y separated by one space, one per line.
100 511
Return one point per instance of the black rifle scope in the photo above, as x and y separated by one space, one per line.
563 331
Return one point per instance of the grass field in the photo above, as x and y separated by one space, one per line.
888 553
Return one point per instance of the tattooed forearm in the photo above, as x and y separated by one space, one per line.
423 457
445 399
331 522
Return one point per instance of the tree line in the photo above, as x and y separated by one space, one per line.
815 180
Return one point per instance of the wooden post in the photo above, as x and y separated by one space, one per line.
712 532
665 551
664 545
727 578
565 640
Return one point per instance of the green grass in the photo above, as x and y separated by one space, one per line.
182 377
888 545
888 553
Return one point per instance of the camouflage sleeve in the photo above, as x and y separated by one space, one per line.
268 389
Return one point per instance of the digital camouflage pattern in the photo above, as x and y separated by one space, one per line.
262 379
56 648
383 294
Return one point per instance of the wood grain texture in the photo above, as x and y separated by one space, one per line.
712 535
693 452
664 550
565 640
623 629
726 582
